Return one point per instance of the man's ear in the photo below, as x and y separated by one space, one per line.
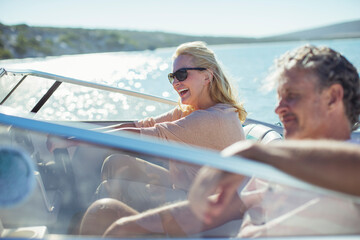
335 94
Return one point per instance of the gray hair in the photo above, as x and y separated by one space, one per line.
330 67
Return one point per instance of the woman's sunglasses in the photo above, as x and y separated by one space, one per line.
181 74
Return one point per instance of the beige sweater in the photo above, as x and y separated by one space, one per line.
214 128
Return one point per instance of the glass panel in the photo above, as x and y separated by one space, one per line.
7 83
28 93
73 102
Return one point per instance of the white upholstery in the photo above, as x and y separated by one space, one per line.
261 133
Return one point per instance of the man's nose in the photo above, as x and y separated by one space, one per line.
282 106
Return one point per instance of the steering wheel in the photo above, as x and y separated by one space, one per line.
56 173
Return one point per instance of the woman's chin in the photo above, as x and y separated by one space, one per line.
184 102
187 100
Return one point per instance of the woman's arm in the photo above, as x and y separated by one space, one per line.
130 127
134 127
117 126
55 142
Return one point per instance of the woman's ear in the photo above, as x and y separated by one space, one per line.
209 75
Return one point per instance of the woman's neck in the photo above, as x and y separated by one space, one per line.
205 104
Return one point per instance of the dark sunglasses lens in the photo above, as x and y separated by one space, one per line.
181 75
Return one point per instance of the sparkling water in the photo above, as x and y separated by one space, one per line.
146 72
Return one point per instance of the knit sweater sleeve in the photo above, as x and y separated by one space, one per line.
169 116
211 128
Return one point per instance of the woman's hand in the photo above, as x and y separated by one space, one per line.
53 143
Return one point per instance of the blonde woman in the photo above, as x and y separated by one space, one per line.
209 116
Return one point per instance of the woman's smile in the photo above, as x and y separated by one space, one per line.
183 91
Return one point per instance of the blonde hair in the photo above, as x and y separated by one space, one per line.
220 88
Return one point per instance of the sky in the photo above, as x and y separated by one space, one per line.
244 18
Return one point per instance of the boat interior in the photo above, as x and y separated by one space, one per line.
53 206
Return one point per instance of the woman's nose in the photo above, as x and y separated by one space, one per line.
175 82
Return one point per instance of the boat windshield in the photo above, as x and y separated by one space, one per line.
54 97
95 170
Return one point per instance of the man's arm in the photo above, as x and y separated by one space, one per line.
176 220
330 164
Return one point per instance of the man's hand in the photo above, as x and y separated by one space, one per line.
214 189
211 193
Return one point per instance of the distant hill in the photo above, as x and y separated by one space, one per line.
340 30
23 41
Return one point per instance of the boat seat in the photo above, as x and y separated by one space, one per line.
261 133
